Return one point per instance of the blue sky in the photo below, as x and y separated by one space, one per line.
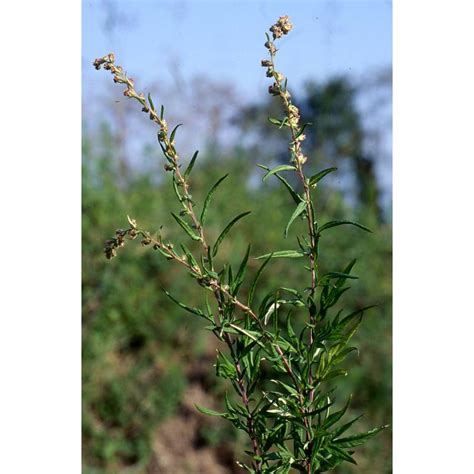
224 39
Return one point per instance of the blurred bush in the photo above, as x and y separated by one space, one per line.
139 349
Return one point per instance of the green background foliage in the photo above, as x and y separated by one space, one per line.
141 352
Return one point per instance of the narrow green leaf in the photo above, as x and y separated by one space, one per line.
254 335
339 275
333 418
277 122
255 280
176 190
208 198
191 165
239 278
186 227
173 133
298 211
190 257
334 373
330 224
319 176
283 254
195 311
151 102
278 169
226 231
287 185
301 130
208 411
352 315
358 439
162 112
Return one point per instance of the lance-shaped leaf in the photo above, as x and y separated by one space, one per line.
152 106
173 133
186 227
191 165
339 275
278 169
330 224
254 335
279 123
298 211
282 254
195 311
358 439
255 280
354 314
319 176
333 418
226 231
239 278
189 256
287 185
176 190
207 201
208 411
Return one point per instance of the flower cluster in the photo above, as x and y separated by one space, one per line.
282 27
111 245
278 89
108 63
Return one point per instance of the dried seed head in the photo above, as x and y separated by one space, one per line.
285 24
277 31
282 27
274 89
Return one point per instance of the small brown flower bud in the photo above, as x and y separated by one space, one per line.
274 89
266 63
277 31
98 63
285 24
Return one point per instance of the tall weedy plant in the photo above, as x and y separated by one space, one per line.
290 420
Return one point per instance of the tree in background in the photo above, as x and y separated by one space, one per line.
336 134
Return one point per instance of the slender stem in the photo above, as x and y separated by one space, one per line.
296 146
